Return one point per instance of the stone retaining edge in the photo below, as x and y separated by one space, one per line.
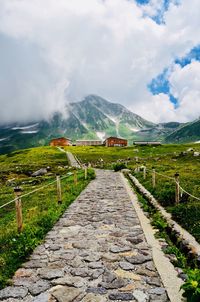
188 241
165 268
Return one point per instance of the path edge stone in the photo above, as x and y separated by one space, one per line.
164 267
188 240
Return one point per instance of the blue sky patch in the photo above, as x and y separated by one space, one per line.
159 16
194 54
174 100
142 1
160 84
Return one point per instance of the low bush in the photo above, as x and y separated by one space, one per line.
158 221
192 286
188 216
119 166
165 194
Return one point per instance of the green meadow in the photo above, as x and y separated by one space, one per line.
167 160
40 209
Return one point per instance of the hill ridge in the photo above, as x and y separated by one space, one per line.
92 118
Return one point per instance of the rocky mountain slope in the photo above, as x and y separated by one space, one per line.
102 118
92 118
189 132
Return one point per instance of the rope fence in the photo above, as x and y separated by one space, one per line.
183 190
19 196
36 190
179 190
166 176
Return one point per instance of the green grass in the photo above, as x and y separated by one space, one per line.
40 210
167 159
191 286
165 232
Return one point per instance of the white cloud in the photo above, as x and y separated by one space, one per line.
185 86
60 50
157 109
154 8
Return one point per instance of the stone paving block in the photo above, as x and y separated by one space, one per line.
96 252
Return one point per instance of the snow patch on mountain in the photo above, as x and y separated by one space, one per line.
3 139
80 121
134 129
112 118
116 121
25 127
29 132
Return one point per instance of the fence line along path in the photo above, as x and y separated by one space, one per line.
96 252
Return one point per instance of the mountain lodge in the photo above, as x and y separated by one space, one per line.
61 141
115 142
83 142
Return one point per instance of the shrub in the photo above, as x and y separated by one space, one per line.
119 166
165 193
192 286
188 216
158 221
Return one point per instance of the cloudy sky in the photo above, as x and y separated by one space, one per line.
142 54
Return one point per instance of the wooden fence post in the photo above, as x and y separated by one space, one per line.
59 190
144 172
154 177
18 206
177 192
86 172
75 178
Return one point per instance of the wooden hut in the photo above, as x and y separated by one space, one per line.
61 141
115 142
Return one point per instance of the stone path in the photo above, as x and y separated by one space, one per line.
95 253
73 162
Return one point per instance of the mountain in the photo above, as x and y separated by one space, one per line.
188 133
102 118
158 132
91 118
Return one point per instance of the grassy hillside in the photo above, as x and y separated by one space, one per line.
187 133
167 160
40 210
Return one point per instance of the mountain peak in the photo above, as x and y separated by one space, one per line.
92 118
98 100
101 116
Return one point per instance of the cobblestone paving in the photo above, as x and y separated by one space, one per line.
73 162
95 253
